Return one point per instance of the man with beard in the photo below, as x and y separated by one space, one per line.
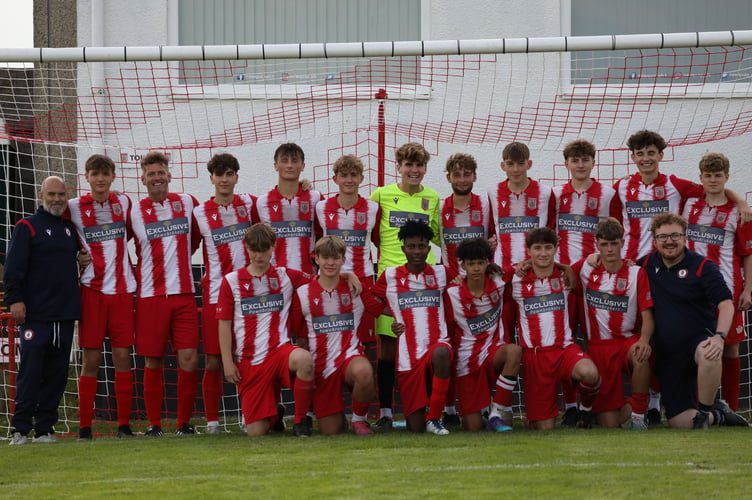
41 289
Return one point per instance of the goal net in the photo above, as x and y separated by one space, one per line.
452 96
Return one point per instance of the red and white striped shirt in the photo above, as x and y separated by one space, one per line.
329 320
543 319
103 231
458 225
223 228
715 232
416 300
478 323
293 221
577 215
357 226
613 302
636 203
515 215
166 236
259 307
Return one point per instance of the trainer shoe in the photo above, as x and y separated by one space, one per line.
653 417
84 433
185 429
638 423
18 439
384 424
586 419
701 420
124 431
154 431
496 424
451 420
436 427
571 417
44 439
361 428
730 417
302 428
212 429
279 425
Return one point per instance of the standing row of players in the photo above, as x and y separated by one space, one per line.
248 315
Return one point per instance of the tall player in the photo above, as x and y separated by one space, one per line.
107 286
166 236
290 210
715 230
222 221
407 199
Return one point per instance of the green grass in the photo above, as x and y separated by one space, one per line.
660 463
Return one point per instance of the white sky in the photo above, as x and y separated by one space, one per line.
16 23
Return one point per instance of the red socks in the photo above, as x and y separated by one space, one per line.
124 396
153 395
732 371
303 393
87 391
212 390
187 390
439 388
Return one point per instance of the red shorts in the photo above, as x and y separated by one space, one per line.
612 359
412 383
474 389
159 319
102 315
367 322
542 368
210 328
736 333
327 398
259 385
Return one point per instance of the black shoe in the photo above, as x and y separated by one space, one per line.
730 417
586 419
279 425
84 433
653 417
452 420
124 431
383 424
701 420
154 431
185 429
571 417
302 429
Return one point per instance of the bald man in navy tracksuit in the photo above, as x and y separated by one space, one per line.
41 289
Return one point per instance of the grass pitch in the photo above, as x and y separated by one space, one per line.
660 463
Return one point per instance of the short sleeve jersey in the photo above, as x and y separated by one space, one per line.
293 220
636 203
357 227
459 225
259 308
515 215
543 319
613 301
715 232
165 236
478 323
102 230
577 215
416 300
397 207
222 229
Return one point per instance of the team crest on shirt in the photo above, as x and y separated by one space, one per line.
592 203
28 334
621 284
430 281
532 203
424 204
345 299
494 296
360 218
273 283
475 215
660 192
117 209
177 206
555 284
242 213
304 207
682 273
720 218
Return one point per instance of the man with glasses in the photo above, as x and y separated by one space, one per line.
687 288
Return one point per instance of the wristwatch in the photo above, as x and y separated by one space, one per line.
722 334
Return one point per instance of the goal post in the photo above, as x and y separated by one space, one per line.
60 105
